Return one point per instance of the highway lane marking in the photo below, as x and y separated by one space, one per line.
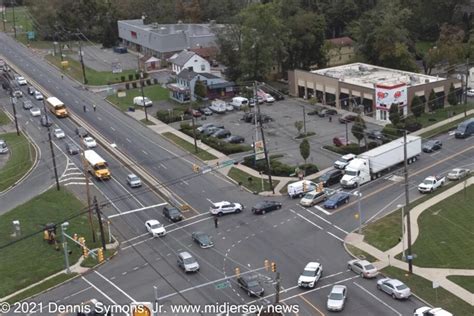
378 299
113 129
325 220
314 224
310 304
129 193
144 152
163 166
184 181
335 236
322 210
115 286
99 118
128 140
138 210
98 290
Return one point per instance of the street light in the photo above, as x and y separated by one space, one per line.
403 229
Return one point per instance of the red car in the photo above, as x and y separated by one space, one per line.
347 118
341 141
194 112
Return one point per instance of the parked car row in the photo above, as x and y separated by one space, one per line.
218 131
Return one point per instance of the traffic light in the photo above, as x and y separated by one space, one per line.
85 251
274 267
237 272
319 187
196 168
266 263
100 254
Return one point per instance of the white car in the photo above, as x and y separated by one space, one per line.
269 98
229 107
337 298
21 81
343 161
224 207
155 228
17 94
362 267
311 274
470 93
428 311
89 142
38 96
59 133
458 174
396 288
134 181
142 101
35 111
431 183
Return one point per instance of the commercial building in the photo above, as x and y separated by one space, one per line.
163 40
368 88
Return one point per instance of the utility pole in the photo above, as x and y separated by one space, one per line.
347 133
64 240
14 20
101 226
304 120
141 88
407 203
465 86
359 195
82 62
277 289
194 133
264 145
14 114
53 155
88 193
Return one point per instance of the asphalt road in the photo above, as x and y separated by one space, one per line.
290 237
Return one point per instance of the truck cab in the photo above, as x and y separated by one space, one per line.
357 173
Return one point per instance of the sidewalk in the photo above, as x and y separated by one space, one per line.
387 258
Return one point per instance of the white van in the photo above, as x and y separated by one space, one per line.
300 188
3 147
142 101
239 102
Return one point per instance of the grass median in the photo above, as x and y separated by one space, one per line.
20 161
4 120
464 281
252 183
29 259
189 147
445 128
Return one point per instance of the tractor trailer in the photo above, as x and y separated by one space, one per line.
373 163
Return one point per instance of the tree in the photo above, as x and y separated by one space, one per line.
394 114
432 101
452 96
200 89
305 149
299 126
358 129
417 107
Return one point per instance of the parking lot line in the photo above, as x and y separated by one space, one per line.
378 299
322 210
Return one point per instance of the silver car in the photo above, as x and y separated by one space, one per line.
396 288
134 181
187 262
458 173
337 298
362 267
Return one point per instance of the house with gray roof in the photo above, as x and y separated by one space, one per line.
163 40
189 60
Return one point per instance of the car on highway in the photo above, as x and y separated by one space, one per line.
59 133
343 161
35 111
347 118
89 142
221 133
155 228
362 267
46 121
250 283
38 96
313 198
337 200
234 139
265 207
331 177
205 110
187 262
72 148
311 274
31 90
202 239
431 145
21 81
17 94
337 298
224 207
27 104
396 288
458 174
81 131
431 183
172 214
133 180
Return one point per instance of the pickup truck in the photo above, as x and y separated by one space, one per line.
431 183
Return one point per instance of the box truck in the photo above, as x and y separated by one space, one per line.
373 163
56 107
300 188
96 165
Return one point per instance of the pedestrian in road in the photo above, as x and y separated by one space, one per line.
216 222
93 105
62 77
84 108
330 118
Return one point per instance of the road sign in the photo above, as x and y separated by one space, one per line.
435 284
222 285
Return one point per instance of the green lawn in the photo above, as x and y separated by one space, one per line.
427 119
189 147
436 297
445 128
30 260
446 237
255 185
155 93
144 121
94 78
20 161
4 120
360 253
464 281
424 46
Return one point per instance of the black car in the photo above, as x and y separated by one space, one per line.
221 133
202 239
431 146
262 117
376 135
266 206
72 149
331 177
172 214
248 117
277 96
251 284
235 139
31 90
81 131
27 104
46 121
205 110
326 112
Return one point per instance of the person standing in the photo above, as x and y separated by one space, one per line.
216 222
84 108
94 106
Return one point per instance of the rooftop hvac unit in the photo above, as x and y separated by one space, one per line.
363 68
427 80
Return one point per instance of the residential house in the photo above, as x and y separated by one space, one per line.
189 60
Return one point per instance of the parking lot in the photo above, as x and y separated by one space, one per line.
281 133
